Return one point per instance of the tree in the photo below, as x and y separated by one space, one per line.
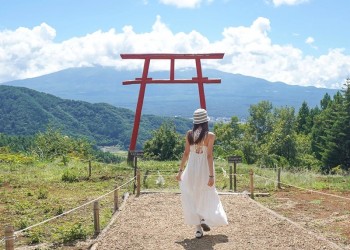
248 146
260 120
282 139
303 119
228 136
166 144
52 143
325 101
331 134
336 152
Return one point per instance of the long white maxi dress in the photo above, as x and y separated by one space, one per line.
199 201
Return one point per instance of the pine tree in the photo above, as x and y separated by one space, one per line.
346 143
335 151
304 119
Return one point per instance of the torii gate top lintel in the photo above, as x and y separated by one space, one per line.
200 80
173 56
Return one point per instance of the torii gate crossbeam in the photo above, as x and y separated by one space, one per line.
200 80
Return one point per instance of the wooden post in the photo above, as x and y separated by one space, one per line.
89 168
251 184
116 207
138 178
279 178
234 159
9 238
230 177
135 154
234 177
96 218
135 170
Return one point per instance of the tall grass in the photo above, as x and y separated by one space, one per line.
33 193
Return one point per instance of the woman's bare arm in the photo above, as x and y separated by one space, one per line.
211 140
184 159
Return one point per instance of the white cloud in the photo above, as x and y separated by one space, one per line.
184 3
248 50
288 2
310 40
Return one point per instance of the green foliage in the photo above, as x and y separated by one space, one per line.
107 157
25 112
69 176
52 144
261 120
43 193
60 210
282 140
166 144
331 132
35 236
317 139
23 223
16 158
304 119
74 232
228 136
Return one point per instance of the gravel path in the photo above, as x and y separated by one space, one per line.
155 221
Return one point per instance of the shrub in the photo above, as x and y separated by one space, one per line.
76 232
43 194
69 176
35 237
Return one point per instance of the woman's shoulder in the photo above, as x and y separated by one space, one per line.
211 135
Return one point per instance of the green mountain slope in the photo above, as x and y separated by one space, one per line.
25 112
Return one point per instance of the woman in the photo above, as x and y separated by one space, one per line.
200 200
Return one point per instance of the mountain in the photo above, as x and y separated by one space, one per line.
232 97
25 112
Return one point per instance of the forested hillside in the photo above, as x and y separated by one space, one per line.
311 138
26 112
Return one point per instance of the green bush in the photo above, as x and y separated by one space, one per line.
43 194
23 223
35 237
60 210
69 176
76 232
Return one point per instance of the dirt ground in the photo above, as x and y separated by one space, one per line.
155 221
325 215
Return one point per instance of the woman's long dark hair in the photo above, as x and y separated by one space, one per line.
204 132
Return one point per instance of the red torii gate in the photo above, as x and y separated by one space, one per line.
144 80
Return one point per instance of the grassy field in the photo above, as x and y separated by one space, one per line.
30 194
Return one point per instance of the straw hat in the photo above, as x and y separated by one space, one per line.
200 116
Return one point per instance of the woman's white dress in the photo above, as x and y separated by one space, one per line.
199 201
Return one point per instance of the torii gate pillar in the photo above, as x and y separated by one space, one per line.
200 80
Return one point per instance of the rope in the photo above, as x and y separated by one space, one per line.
69 211
155 170
4 239
160 175
306 189
150 175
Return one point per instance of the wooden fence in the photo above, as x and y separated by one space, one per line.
10 234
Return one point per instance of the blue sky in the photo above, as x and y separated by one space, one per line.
301 42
